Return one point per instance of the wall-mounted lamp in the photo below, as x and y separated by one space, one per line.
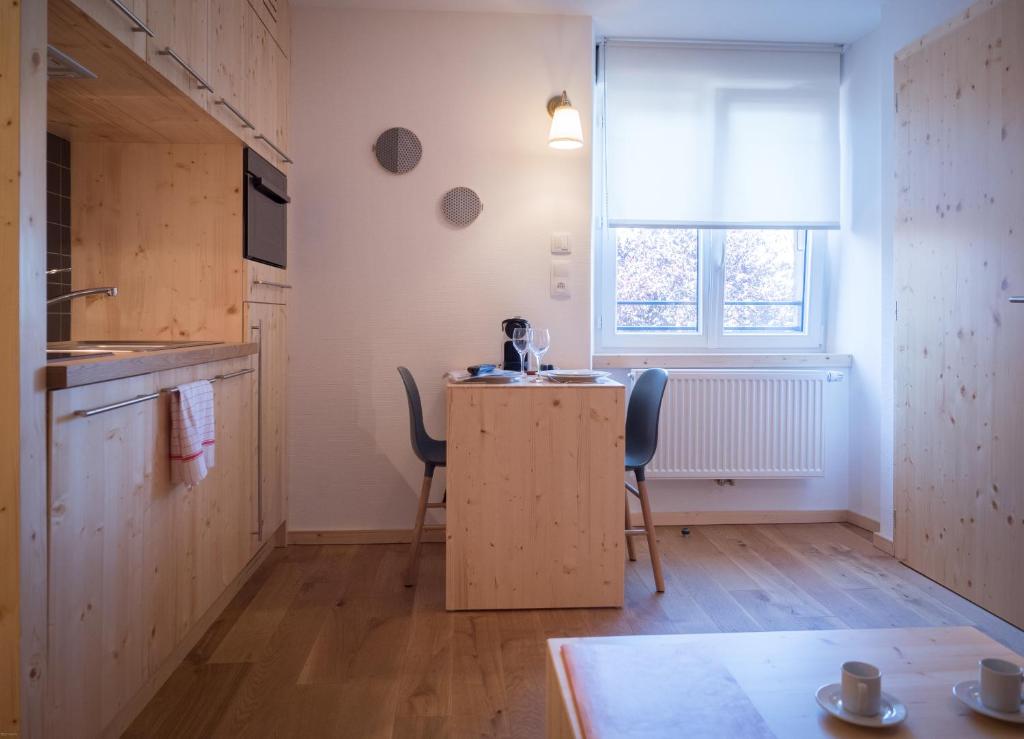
566 130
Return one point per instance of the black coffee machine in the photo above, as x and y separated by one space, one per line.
511 361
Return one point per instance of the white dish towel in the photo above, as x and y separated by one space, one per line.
192 432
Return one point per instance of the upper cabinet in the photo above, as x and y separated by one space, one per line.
178 47
227 56
126 19
275 16
265 89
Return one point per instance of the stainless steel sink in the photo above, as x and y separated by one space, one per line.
124 346
58 355
63 350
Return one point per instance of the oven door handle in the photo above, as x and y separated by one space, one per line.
270 192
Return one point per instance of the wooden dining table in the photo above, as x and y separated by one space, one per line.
761 684
535 495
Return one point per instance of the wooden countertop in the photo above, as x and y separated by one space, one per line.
776 673
73 372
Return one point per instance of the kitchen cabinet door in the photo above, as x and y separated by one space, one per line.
179 48
227 65
215 521
106 487
267 325
123 18
275 15
265 66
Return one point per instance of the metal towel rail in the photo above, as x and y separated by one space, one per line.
154 396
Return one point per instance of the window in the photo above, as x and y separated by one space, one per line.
719 178
709 289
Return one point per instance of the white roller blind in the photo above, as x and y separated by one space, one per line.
721 135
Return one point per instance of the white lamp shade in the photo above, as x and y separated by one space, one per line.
566 129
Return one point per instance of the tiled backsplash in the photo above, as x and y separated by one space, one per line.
58 235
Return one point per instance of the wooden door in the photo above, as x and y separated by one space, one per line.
181 26
267 324
120 21
959 257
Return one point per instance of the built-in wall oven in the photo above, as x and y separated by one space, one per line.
266 211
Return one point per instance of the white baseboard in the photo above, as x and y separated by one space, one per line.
661 518
361 536
868 524
710 518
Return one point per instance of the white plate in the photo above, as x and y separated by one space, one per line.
830 697
578 375
968 692
493 378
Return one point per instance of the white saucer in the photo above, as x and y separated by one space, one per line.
830 697
968 692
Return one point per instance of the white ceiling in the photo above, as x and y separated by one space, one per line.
838 21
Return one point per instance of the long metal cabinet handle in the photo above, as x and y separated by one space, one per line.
259 432
274 146
246 123
115 406
268 283
203 84
1017 299
139 26
229 375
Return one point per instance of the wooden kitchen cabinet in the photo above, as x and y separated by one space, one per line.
116 17
265 69
181 26
227 56
276 17
267 326
135 562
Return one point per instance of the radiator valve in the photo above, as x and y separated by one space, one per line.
724 483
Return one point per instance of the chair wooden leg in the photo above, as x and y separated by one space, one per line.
629 539
417 532
652 536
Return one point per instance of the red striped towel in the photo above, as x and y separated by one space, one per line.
192 432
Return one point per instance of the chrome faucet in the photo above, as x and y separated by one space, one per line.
111 291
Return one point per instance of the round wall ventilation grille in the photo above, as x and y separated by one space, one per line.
461 206
398 150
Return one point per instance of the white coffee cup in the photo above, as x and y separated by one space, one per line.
1001 685
861 688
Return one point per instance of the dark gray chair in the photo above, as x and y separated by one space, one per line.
433 453
641 442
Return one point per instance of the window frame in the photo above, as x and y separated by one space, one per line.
710 335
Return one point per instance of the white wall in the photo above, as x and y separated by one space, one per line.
865 302
380 279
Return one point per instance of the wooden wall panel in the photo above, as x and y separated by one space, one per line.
164 224
959 256
22 340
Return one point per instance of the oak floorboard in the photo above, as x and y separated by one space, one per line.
325 641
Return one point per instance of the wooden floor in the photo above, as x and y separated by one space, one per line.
325 641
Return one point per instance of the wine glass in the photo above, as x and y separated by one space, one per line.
521 342
539 340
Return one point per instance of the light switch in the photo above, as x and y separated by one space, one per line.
560 243
560 278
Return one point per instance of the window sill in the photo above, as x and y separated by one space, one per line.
722 361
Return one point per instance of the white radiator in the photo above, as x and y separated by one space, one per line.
724 424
